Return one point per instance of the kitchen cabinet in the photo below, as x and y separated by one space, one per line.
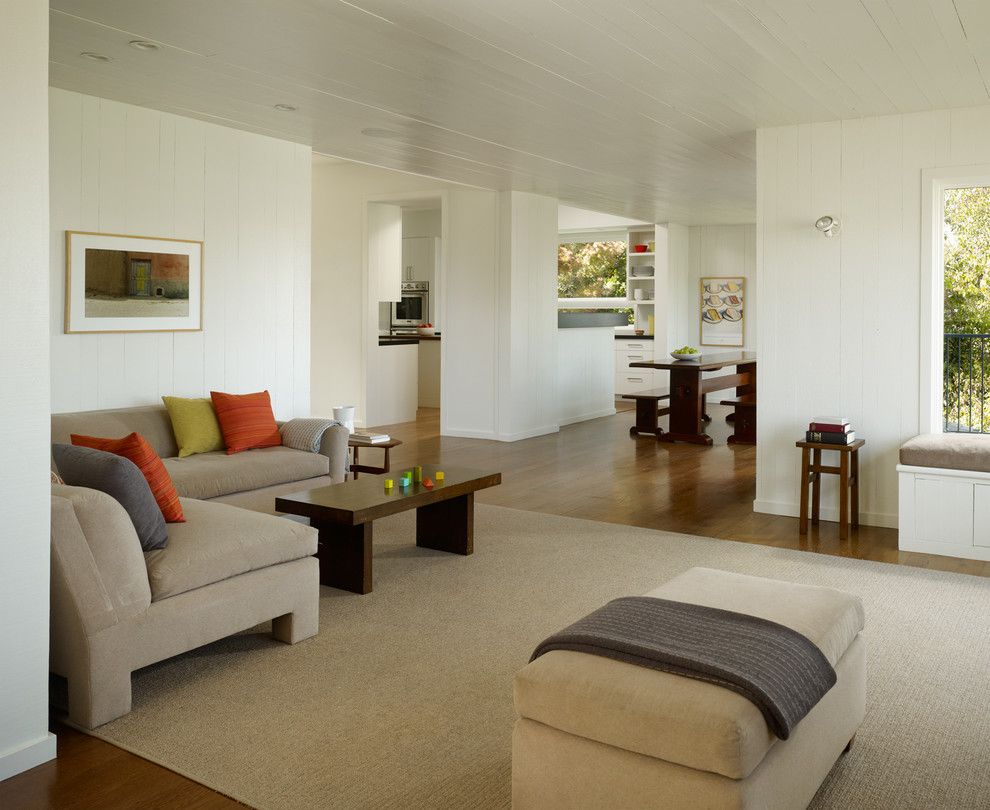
632 380
385 252
421 262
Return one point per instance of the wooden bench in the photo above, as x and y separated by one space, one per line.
744 419
648 411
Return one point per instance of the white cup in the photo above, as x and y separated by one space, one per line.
638 294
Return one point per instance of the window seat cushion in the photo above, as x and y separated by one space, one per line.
949 451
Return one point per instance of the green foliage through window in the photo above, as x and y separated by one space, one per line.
966 244
591 270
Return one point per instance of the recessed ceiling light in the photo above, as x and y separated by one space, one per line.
96 57
285 108
376 132
143 45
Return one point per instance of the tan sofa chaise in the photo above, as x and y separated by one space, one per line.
116 608
593 732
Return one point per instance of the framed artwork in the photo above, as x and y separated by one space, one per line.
723 301
116 283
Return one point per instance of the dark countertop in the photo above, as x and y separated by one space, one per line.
633 337
404 340
384 340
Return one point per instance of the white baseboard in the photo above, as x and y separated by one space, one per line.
457 433
27 757
570 420
791 509
527 434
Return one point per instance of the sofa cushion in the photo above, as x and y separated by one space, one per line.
151 421
195 425
950 451
218 541
246 420
210 475
670 717
119 478
135 447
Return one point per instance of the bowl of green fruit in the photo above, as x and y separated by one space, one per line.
686 353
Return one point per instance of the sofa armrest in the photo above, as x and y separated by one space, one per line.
334 447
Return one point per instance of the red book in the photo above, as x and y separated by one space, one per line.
829 427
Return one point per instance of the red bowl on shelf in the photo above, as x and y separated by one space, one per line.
640 248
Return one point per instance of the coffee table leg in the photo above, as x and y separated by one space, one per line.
447 525
344 553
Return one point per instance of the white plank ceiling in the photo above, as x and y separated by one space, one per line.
640 108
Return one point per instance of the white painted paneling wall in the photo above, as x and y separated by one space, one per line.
839 318
24 407
468 313
117 168
585 374
527 312
681 316
722 250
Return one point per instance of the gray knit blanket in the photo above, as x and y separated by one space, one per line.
776 668
306 434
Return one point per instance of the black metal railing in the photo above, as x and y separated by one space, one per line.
965 388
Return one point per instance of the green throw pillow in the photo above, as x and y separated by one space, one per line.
195 425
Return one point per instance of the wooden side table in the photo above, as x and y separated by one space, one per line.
365 468
848 472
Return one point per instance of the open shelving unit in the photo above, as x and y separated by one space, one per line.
642 308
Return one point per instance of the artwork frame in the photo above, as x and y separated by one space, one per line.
122 283
722 323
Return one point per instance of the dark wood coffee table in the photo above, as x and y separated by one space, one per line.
345 513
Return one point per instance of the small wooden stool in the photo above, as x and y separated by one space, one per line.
848 472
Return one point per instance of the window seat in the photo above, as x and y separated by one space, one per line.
944 495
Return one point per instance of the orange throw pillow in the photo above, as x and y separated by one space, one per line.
136 448
246 421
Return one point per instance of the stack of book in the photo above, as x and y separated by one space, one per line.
830 430
367 437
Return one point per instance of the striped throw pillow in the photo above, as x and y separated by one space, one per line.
136 448
246 420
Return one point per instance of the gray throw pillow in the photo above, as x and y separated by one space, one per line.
119 478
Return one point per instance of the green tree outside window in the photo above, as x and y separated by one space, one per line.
591 270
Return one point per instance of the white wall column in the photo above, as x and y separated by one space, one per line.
24 457
527 315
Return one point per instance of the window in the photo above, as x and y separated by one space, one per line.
591 269
966 310
591 272
955 300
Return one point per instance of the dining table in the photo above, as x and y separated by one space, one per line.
689 386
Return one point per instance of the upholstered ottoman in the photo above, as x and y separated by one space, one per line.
593 732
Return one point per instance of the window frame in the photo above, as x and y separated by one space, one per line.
935 182
595 235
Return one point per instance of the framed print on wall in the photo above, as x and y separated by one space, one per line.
722 311
116 283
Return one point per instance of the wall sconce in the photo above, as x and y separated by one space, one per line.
827 225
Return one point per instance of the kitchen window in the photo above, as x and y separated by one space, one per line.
591 271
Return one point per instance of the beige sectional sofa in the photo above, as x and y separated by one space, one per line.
250 479
116 609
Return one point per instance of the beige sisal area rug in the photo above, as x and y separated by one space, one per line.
404 698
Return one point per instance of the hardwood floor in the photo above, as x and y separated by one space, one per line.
592 470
